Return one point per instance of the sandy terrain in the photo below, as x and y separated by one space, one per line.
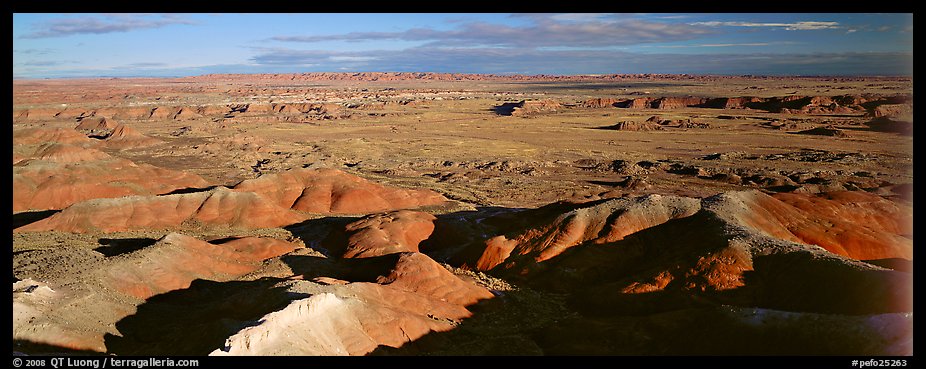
412 214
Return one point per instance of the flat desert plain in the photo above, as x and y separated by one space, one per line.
444 214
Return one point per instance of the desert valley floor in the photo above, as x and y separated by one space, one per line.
438 214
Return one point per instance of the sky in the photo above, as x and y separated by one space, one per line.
176 44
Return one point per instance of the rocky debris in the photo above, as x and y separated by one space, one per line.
689 124
526 167
819 181
725 155
689 169
815 155
181 131
767 180
331 191
310 110
219 206
634 126
627 168
783 125
830 131
594 165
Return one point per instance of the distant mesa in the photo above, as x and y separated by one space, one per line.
812 105
599 103
526 108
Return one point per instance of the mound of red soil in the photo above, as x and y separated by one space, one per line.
65 153
176 260
331 191
416 297
42 185
903 112
29 136
884 124
604 222
825 131
113 134
219 206
387 233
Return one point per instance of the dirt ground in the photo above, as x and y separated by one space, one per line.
450 137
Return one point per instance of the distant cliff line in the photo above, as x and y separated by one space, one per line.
412 76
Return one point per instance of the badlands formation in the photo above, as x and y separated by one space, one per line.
450 214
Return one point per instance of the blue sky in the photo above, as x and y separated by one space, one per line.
94 45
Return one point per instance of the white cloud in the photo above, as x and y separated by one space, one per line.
108 23
581 30
796 26
352 58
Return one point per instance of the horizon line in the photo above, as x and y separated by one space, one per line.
406 75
